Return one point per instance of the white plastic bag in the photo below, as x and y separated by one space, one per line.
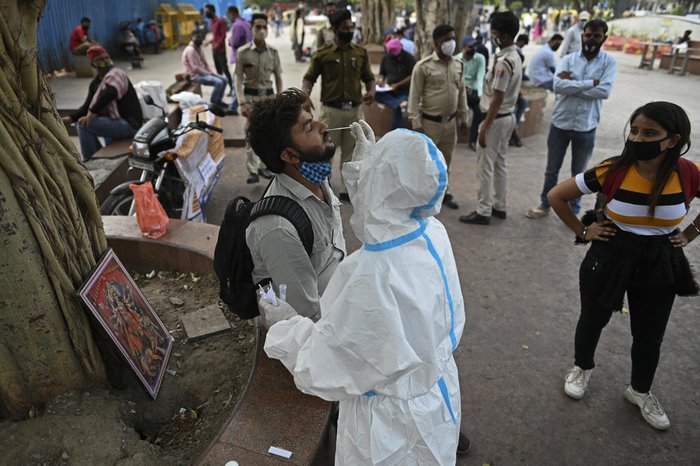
157 92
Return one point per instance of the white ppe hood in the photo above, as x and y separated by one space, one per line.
392 315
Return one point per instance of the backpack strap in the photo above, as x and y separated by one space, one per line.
612 182
292 211
689 177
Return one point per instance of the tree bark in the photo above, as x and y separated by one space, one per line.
50 230
377 16
429 14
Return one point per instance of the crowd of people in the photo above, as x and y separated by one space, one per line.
404 406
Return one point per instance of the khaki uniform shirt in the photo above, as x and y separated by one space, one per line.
278 253
437 89
342 71
506 75
254 69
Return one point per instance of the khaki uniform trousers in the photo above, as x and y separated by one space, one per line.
491 167
252 161
444 136
336 118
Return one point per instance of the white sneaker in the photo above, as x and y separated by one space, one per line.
576 382
537 212
651 409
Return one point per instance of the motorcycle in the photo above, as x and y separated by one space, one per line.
151 152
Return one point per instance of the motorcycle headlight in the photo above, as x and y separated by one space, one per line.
141 150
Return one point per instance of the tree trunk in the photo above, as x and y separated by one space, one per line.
50 230
377 16
429 14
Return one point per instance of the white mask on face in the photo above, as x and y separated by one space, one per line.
448 47
260 34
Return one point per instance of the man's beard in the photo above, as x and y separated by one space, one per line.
316 154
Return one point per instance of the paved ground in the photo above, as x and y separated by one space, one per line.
519 279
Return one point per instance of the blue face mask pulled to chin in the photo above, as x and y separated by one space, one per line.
315 172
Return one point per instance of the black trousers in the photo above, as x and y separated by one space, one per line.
221 64
650 302
476 121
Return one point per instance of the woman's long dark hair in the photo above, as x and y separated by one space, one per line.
674 120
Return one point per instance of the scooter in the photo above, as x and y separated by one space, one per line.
151 152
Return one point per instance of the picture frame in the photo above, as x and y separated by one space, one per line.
125 314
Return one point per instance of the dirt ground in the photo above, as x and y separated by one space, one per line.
120 424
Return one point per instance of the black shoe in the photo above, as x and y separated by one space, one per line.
515 139
463 445
475 219
265 173
450 202
472 146
253 178
498 213
344 197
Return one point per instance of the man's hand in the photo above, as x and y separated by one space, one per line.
565 75
596 82
245 109
87 119
463 129
368 98
482 136
272 314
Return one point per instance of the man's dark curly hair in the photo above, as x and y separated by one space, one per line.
505 22
270 123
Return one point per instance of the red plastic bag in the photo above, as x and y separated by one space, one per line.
150 215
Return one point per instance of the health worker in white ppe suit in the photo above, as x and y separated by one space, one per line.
392 314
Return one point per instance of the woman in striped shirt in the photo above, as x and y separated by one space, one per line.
636 248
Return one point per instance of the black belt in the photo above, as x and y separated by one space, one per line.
342 105
502 115
439 119
249 91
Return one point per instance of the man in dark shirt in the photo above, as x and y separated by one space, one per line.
482 49
218 44
395 72
343 68
111 109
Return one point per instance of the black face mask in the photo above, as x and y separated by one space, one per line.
198 42
591 46
469 53
554 47
644 150
345 36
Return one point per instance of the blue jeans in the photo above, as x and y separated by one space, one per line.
582 143
394 101
102 127
219 83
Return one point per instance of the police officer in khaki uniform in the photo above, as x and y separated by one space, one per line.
343 68
255 62
437 99
501 89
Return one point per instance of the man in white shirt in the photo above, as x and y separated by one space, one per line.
543 63
572 39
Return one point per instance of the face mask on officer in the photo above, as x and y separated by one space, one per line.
448 47
345 36
260 33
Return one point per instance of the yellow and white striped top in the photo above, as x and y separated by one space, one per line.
629 207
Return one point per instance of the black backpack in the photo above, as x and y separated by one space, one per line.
233 263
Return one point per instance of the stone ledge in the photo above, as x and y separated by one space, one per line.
271 411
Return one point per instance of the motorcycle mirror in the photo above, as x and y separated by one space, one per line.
217 110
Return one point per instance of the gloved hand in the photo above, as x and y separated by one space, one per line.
364 139
272 314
